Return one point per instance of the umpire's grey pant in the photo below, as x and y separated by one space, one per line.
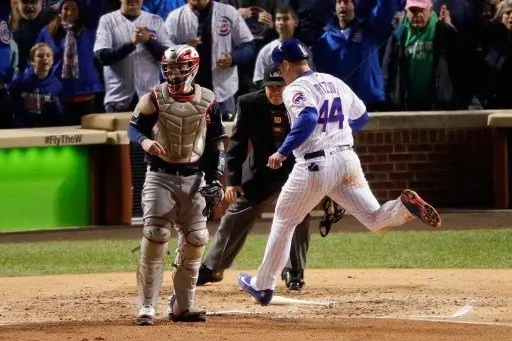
234 228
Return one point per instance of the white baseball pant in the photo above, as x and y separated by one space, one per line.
338 175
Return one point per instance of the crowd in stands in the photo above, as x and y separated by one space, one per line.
60 60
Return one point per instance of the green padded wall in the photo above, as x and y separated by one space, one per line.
44 188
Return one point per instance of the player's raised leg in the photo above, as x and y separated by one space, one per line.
298 197
355 195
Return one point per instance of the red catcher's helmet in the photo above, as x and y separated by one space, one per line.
179 67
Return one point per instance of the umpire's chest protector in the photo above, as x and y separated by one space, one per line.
181 126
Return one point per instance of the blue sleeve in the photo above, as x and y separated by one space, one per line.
301 130
140 127
359 123
243 53
382 16
149 6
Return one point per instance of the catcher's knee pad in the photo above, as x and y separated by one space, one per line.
197 237
191 246
157 230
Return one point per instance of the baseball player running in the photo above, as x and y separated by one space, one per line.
261 121
324 113
179 127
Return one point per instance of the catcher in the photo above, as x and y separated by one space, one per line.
180 129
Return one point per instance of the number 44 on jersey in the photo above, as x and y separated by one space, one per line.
331 113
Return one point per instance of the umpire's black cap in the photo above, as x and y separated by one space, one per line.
272 77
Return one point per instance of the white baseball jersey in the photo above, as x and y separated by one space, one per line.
139 71
228 29
335 102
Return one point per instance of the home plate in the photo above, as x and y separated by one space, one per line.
230 312
281 300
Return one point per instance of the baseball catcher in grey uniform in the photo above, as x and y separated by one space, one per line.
179 126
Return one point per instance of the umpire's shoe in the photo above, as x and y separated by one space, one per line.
206 275
193 314
263 297
420 208
146 316
294 280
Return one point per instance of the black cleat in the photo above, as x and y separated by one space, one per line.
209 276
294 280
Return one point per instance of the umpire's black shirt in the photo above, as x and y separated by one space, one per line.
265 126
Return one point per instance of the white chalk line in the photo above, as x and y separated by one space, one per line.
231 312
432 319
464 311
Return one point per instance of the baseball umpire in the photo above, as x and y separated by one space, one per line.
179 126
261 119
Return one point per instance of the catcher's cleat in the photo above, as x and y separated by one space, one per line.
146 316
420 208
294 280
206 275
263 297
193 314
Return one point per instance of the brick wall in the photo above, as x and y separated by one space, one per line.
452 168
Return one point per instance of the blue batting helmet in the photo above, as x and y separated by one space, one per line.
290 50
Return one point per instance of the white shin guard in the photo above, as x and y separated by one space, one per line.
150 271
188 261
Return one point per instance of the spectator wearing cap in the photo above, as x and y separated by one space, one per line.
37 93
349 47
33 17
162 8
496 59
286 22
261 119
73 44
416 65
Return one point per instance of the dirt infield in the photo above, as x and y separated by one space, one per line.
371 304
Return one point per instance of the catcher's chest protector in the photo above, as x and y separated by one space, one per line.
181 127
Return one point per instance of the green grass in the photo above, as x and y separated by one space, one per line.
400 249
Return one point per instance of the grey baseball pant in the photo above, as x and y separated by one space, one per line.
236 225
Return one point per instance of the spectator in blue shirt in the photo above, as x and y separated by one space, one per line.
349 47
74 59
162 8
37 93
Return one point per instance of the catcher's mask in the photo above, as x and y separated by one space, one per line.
179 67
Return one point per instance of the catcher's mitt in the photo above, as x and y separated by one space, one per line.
332 214
213 194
